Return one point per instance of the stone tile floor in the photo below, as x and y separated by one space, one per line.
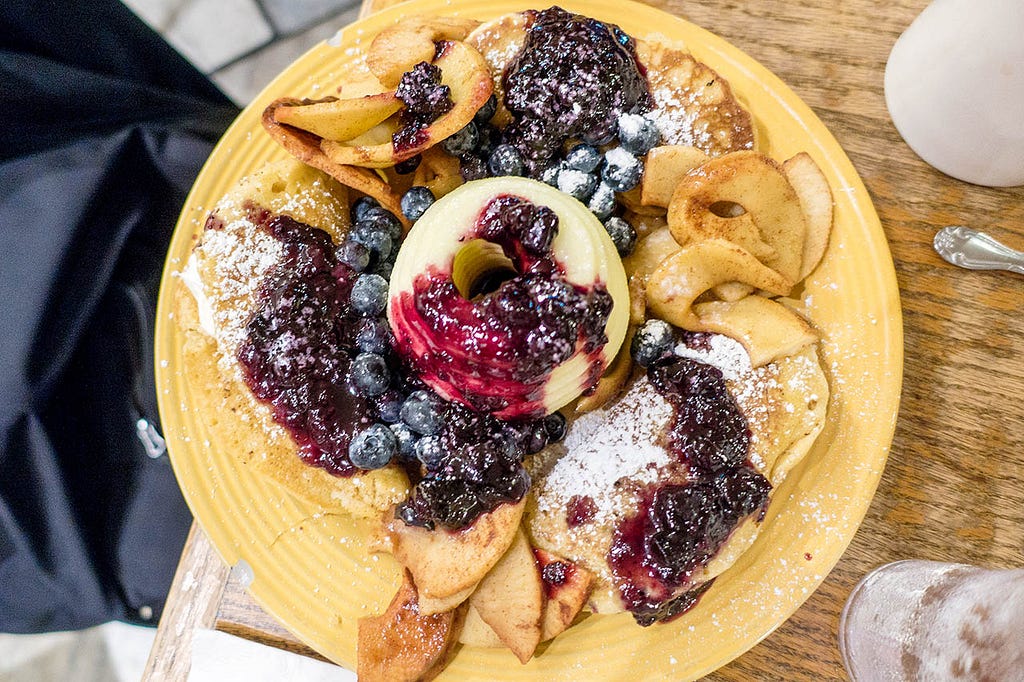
241 45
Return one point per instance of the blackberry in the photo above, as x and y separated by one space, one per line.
577 184
621 170
369 295
368 375
622 233
505 160
416 201
541 231
583 157
485 113
638 134
463 142
423 413
373 447
652 342
354 255
473 168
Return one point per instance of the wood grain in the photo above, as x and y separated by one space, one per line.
953 489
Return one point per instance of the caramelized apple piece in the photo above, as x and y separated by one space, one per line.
567 587
443 562
510 599
816 202
768 330
412 40
664 169
341 119
402 645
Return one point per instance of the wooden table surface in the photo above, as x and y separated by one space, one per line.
953 489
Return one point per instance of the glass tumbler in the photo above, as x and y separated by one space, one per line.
927 620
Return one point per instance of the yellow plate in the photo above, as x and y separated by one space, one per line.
311 570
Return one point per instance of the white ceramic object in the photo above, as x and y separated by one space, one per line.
954 85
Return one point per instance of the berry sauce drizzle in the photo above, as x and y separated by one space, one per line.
573 77
495 351
682 523
298 346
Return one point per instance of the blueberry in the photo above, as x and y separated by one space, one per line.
537 438
602 201
422 412
653 341
409 165
416 201
429 451
373 447
577 184
405 440
373 336
473 168
389 405
354 255
556 426
369 295
550 174
384 269
621 170
638 134
487 111
622 233
600 135
368 376
361 206
385 220
583 157
374 237
505 160
463 142
490 137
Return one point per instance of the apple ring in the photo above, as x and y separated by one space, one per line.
498 314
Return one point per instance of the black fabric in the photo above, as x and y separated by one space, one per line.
102 131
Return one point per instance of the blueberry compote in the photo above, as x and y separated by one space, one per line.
573 78
680 524
298 346
495 350
425 101
479 466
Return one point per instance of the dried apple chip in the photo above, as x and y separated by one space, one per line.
746 199
412 40
340 119
693 270
767 329
465 72
305 146
816 202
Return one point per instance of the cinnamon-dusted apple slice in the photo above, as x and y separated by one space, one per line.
816 201
688 273
510 599
465 73
340 119
403 645
743 198
443 562
411 41
305 146
664 169
567 588
431 605
767 329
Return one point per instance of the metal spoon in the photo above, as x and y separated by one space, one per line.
975 250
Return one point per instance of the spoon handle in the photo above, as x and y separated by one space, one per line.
976 250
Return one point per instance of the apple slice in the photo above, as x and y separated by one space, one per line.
443 562
665 167
431 605
567 586
510 599
398 48
340 119
402 645
768 330
475 632
816 201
